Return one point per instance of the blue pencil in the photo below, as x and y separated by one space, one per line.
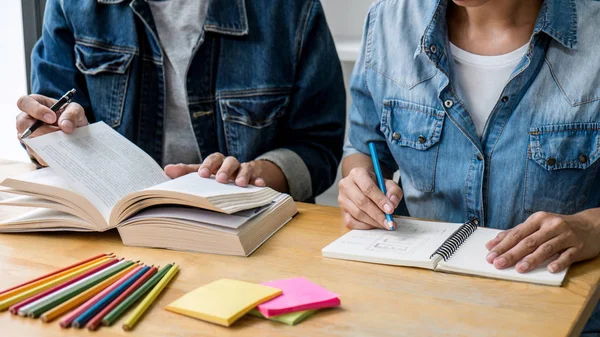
380 181
80 321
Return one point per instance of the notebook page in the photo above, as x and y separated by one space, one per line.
470 259
411 244
100 163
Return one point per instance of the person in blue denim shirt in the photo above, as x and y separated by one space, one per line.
251 89
490 110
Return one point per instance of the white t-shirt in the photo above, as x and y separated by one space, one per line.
481 80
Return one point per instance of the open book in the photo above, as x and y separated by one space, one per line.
98 180
439 246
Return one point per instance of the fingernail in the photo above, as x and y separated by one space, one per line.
260 182
388 208
204 172
501 262
66 125
491 256
395 200
240 180
552 268
222 176
523 267
48 118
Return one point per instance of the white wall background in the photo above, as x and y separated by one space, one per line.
13 81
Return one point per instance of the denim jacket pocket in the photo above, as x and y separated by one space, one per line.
413 132
107 75
251 120
562 162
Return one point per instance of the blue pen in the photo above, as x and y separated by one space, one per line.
80 321
380 181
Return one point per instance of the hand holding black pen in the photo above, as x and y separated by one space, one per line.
65 99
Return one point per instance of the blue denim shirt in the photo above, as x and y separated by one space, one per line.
266 81
540 147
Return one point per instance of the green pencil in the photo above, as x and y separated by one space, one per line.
114 315
55 299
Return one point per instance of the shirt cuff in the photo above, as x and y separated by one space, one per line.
295 171
349 148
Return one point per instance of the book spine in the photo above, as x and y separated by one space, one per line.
449 247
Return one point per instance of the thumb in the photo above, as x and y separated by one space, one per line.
176 171
394 192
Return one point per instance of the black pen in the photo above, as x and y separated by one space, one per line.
66 99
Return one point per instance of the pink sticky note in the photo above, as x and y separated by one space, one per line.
298 294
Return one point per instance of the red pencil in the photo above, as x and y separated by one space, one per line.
70 317
15 308
95 322
55 272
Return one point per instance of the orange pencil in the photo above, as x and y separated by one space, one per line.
95 322
56 272
81 298
32 284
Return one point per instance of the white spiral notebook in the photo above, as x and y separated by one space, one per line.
438 246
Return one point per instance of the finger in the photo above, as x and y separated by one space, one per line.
544 252
23 122
228 170
211 165
372 191
260 182
176 171
394 193
514 236
34 155
349 207
36 107
355 224
495 241
566 258
72 117
244 175
353 193
527 246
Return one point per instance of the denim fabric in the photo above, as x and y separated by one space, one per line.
540 147
267 76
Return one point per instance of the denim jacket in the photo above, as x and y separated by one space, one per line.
266 81
540 148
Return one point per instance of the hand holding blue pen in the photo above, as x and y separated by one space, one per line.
380 180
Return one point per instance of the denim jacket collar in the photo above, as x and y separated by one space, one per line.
558 19
226 17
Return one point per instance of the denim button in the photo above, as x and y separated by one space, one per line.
396 136
448 103
504 99
583 159
551 161
422 139
433 49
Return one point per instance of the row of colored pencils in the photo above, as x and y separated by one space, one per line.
93 292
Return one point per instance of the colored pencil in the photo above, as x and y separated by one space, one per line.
95 322
70 317
45 304
137 313
117 289
54 273
15 308
13 292
74 302
114 315
6 303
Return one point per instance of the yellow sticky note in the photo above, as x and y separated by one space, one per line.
223 301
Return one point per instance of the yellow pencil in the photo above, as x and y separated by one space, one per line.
32 285
5 304
137 313
84 296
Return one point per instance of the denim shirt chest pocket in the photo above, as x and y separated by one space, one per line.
562 162
251 120
413 132
107 75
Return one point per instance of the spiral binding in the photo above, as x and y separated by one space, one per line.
457 238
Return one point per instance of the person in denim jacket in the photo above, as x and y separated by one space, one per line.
253 90
517 150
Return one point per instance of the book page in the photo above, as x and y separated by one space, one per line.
470 259
193 184
411 244
99 162
45 176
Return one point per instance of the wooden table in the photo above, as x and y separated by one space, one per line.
377 300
